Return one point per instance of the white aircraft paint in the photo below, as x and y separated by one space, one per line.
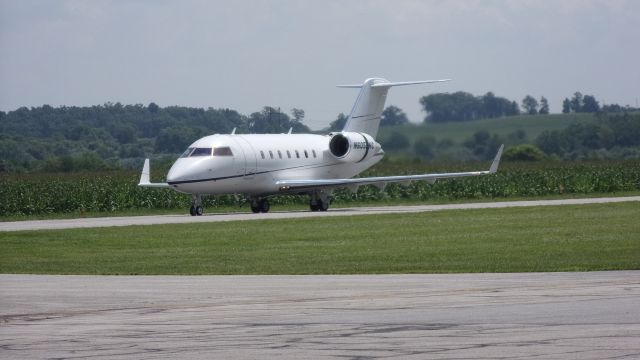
263 165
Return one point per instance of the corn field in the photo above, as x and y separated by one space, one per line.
41 194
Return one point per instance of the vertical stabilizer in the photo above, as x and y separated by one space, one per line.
367 111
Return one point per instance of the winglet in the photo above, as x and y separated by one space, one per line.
144 177
145 180
496 161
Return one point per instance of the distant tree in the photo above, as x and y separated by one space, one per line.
524 152
517 137
339 123
566 106
576 102
424 146
395 141
297 114
530 105
590 104
176 139
495 106
273 121
393 115
544 106
459 106
514 109
482 144
612 108
153 108
462 106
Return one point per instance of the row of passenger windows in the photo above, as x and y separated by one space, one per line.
226 151
288 153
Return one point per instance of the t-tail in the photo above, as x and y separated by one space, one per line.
367 111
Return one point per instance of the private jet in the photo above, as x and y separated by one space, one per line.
259 166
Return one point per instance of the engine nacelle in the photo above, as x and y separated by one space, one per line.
352 146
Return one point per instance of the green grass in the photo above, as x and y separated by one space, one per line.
459 131
559 238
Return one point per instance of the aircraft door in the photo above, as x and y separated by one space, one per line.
249 164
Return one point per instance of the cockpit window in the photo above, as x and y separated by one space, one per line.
186 153
201 152
222 151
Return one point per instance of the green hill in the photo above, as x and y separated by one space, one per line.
459 131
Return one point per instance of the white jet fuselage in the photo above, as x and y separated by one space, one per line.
253 164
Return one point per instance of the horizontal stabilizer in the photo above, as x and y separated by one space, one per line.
390 84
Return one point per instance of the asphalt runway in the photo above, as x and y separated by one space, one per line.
184 219
592 315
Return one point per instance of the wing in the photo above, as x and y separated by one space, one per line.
380 181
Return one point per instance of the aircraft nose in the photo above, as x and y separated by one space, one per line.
178 172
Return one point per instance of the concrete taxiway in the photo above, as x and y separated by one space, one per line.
455 316
183 219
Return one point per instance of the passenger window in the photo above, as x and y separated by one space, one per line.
271 154
314 153
306 154
201 152
288 154
279 154
222 151
262 154
297 154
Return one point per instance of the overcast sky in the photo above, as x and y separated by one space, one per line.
247 54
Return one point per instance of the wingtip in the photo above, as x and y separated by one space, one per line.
496 160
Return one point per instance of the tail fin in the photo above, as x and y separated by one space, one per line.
367 111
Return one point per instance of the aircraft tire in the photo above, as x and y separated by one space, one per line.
199 210
255 208
192 210
313 207
264 205
323 205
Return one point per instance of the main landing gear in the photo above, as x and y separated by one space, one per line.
196 206
319 201
260 205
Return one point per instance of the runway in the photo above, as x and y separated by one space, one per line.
184 219
454 316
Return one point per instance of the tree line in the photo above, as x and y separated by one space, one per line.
68 138
113 135
463 106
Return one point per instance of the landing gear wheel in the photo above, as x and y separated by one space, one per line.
196 205
264 205
313 207
323 205
255 207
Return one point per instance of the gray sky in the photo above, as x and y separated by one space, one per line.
248 54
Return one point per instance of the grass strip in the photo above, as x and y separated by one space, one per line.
557 238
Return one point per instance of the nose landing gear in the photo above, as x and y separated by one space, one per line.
196 206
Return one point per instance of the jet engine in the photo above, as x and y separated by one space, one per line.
353 146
